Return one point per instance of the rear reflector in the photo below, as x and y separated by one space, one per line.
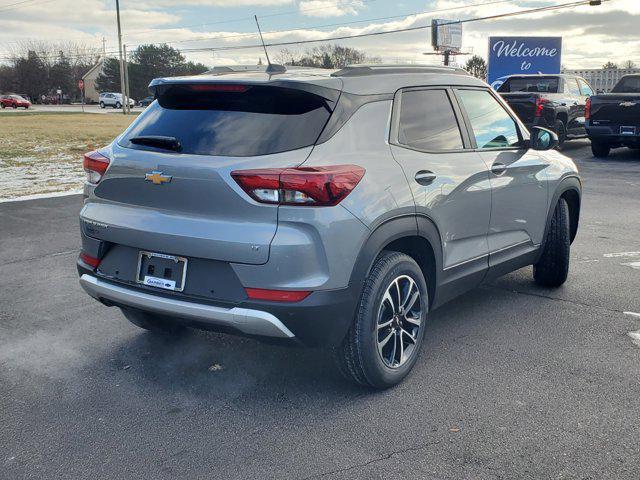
276 295
95 164
89 260
302 186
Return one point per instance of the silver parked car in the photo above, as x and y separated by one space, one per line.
334 209
108 99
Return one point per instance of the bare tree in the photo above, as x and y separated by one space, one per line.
324 56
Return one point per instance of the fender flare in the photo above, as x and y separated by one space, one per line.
571 183
394 229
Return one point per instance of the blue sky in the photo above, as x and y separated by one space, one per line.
592 35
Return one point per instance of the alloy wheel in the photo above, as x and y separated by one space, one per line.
399 321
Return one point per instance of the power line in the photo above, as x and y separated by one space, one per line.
406 15
399 30
388 32
266 15
29 3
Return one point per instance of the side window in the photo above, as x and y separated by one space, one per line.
492 126
585 89
572 87
427 121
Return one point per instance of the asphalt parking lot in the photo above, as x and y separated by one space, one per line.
515 381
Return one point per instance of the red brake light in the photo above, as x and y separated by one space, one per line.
303 186
540 102
95 164
587 109
276 295
218 87
89 260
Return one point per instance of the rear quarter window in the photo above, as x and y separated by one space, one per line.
628 85
240 121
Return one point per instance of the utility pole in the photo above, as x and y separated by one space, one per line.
122 87
104 47
126 79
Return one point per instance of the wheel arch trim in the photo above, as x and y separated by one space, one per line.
397 228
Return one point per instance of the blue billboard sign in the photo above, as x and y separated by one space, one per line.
522 55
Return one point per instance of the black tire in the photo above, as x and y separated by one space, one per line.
15 107
552 268
4 106
101 104
561 130
358 357
600 149
153 323
117 106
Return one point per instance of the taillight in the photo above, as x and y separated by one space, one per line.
277 295
89 260
540 103
303 186
587 109
95 164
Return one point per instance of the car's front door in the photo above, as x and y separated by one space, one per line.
449 181
517 174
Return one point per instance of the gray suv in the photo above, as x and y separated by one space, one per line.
327 208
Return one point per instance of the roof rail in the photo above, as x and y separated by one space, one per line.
377 69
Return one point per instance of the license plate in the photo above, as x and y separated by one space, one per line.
162 271
627 130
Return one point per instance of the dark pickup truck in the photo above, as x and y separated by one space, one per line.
613 119
556 102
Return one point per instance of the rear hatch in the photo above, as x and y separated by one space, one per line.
521 93
172 191
523 104
616 109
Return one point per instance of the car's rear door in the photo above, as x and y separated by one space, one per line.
517 175
450 182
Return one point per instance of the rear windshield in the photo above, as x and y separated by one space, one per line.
232 120
534 85
627 85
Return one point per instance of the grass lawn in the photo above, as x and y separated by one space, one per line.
42 152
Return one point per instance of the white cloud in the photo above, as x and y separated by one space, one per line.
592 35
329 8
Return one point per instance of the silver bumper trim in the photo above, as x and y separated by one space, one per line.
252 322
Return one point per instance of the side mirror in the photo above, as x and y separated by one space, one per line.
543 139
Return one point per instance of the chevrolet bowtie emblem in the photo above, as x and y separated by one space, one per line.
628 104
157 178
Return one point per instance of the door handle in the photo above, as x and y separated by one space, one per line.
498 168
425 177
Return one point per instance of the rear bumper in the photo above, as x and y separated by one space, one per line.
611 134
248 321
322 319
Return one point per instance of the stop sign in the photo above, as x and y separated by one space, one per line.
80 84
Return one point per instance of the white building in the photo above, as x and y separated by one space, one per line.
603 80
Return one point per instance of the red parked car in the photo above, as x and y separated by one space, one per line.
14 101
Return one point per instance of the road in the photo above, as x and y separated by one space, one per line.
515 381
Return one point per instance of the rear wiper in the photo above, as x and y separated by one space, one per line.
158 141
